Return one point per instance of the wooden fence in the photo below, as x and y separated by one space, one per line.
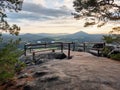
96 49
62 46
45 45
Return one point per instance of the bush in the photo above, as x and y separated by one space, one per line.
107 50
19 66
115 56
8 58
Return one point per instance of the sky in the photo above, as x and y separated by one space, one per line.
52 16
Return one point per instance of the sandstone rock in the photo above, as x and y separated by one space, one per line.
39 73
49 78
60 56
29 86
25 75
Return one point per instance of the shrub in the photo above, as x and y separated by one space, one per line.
19 66
107 50
115 56
8 58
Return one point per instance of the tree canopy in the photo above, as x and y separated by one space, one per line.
103 10
113 37
9 53
11 5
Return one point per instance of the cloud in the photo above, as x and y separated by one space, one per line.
40 2
33 11
28 16
49 16
69 4
41 10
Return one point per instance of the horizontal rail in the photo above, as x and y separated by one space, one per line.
49 43
61 45
42 50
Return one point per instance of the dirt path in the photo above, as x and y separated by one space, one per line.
83 72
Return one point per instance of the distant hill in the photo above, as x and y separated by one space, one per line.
44 37
45 34
83 37
51 35
78 36
24 37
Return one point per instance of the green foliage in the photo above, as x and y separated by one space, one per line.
108 39
8 58
116 34
11 5
113 37
19 66
115 56
100 9
106 51
9 53
88 24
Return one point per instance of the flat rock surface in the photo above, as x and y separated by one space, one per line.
83 72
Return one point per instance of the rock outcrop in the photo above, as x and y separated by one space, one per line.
42 58
83 72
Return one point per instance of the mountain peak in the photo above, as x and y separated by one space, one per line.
81 32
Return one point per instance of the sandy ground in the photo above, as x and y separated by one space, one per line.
83 72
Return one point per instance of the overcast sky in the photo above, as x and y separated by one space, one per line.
51 16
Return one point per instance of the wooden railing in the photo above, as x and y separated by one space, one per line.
97 50
45 45
62 46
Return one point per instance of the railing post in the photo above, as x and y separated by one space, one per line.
45 44
25 50
98 52
84 46
68 50
34 57
30 50
73 46
53 50
104 44
61 47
